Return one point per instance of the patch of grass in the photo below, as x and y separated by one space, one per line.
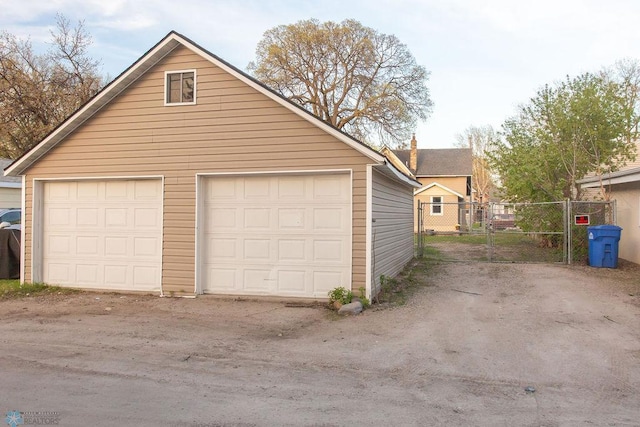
432 253
456 238
10 289
397 291
508 246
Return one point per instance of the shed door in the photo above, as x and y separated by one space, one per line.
102 234
284 235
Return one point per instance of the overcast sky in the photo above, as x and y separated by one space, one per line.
485 57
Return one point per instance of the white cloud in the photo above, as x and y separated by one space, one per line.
485 56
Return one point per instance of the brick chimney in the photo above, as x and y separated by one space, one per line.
413 158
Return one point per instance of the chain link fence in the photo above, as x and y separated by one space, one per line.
498 232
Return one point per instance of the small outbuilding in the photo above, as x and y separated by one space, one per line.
10 189
185 176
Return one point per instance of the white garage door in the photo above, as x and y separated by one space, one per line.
284 235
103 234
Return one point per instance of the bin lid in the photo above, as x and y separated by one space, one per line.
604 227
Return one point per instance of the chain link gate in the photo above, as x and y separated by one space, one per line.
517 232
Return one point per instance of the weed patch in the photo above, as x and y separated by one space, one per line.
10 289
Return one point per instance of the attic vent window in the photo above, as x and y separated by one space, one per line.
180 87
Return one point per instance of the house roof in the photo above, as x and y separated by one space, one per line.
435 184
440 161
628 173
619 177
9 181
170 42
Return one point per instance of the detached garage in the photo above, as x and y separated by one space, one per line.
186 176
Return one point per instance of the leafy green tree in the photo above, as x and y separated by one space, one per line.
39 91
351 76
580 125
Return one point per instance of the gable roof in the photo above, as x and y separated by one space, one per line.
170 42
9 181
440 161
435 184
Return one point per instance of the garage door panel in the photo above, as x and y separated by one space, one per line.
330 218
58 217
146 218
58 273
115 275
87 245
256 188
98 234
116 191
291 188
87 190
292 281
145 277
328 251
225 279
325 280
87 217
292 250
256 249
147 190
222 248
145 247
87 273
256 280
221 218
256 218
276 235
292 218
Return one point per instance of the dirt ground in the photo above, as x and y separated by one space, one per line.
461 351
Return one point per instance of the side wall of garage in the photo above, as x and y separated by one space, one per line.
392 228
627 198
232 128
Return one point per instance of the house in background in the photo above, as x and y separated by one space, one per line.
623 186
10 189
187 176
445 178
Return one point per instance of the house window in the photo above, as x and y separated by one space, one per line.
180 87
436 205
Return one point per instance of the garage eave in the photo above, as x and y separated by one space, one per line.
388 169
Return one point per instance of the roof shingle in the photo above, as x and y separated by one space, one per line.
440 161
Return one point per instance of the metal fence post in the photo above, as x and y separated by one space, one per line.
568 246
419 236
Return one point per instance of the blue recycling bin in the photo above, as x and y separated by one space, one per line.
603 245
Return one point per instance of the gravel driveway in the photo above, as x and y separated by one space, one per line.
461 352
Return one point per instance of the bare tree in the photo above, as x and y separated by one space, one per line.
480 140
38 91
349 75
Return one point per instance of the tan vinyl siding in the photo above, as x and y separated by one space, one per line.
10 198
392 238
233 128
627 197
450 210
455 183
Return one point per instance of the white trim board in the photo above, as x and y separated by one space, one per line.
442 187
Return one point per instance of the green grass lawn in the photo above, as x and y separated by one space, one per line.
507 247
10 288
